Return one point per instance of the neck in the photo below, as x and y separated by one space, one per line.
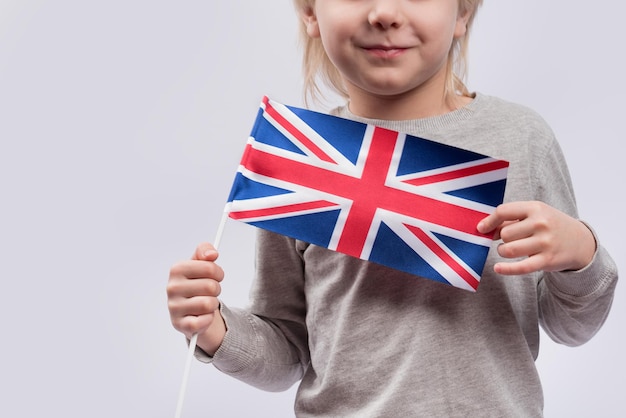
424 101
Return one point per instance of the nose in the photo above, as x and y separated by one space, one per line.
385 14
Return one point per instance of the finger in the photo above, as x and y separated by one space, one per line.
512 211
191 288
488 224
196 269
521 267
194 306
514 231
193 315
496 233
193 324
205 251
518 249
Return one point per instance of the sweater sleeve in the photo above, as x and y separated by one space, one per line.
266 344
573 305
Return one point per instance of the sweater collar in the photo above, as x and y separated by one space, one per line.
428 124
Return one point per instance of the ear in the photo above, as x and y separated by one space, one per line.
461 23
310 22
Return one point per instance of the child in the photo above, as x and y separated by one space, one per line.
368 341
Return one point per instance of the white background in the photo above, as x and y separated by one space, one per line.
121 125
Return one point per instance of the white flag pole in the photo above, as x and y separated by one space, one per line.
194 338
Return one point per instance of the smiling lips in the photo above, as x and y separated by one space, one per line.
382 51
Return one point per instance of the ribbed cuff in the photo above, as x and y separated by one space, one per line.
240 343
595 277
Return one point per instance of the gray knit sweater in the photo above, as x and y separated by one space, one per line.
368 341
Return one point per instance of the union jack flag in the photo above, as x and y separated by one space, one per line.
391 198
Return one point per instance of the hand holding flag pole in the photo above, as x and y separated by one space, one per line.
194 338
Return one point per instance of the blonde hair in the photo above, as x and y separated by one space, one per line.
317 66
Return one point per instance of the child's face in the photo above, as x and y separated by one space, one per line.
387 47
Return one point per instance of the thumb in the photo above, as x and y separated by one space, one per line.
205 251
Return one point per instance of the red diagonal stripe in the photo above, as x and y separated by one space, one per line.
444 256
279 210
455 174
282 121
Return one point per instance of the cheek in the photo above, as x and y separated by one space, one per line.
437 37
334 41
439 23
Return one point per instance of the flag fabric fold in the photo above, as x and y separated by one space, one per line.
387 197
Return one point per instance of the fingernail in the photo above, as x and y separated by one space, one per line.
209 253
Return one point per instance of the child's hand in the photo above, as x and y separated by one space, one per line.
192 292
544 237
